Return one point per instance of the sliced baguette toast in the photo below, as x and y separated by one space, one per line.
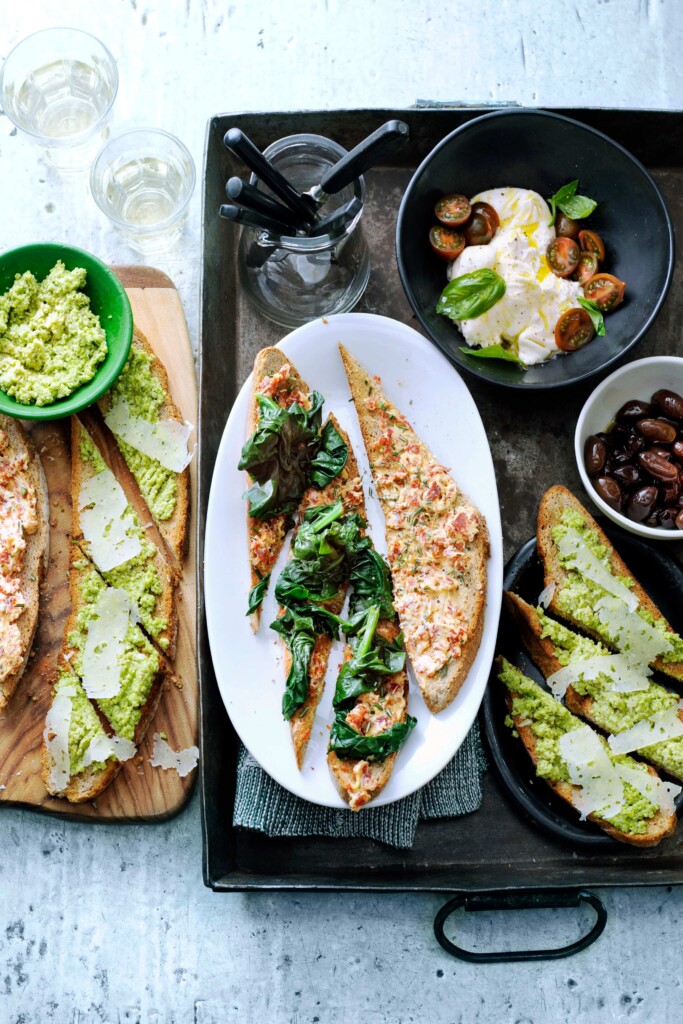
359 782
554 503
145 672
21 469
544 654
347 488
274 374
659 826
144 365
88 783
437 544
158 615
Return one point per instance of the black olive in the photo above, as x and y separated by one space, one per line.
641 503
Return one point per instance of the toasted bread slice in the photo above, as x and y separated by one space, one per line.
129 713
146 577
166 493
346 487
555 503
86 783
606 709
437 544
657 827
275 375
359 782
23 487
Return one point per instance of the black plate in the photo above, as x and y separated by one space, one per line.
541 151
662 578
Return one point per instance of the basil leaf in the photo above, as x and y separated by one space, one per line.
278 456
348 743
468 296
257 593
492 352
562 195
330 458
594 313
574 206
578 207
371 583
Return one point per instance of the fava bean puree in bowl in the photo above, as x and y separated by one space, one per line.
51 342
66 328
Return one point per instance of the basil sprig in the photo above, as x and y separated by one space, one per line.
572 205
468 296
492 352
348 743
594 313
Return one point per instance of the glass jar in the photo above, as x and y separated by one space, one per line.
292 279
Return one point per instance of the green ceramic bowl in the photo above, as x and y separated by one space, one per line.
108 300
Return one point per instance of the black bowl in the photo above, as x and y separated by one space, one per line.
541 151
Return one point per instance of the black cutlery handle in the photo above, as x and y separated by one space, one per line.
238 143
338 219
253 219
253 199
365 155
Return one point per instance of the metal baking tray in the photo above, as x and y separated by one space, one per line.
494 856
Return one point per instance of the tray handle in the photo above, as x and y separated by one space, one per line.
523 900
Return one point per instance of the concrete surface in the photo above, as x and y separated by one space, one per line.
113 924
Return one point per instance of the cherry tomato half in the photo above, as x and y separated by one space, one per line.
479 230
590 241
606 291
489 212
453 210
446 243
565 226
573 330
563 256
587 267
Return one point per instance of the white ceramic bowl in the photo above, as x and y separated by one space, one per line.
635 380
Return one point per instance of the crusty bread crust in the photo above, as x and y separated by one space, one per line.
81 472
86 786
347 487
269 361
660 826
438 691
542 653
553 503
175 529
36 553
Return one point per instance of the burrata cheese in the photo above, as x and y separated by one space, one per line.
525 317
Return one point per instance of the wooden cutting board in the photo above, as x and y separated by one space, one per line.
139 792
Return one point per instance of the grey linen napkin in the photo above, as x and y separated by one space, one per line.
262 804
